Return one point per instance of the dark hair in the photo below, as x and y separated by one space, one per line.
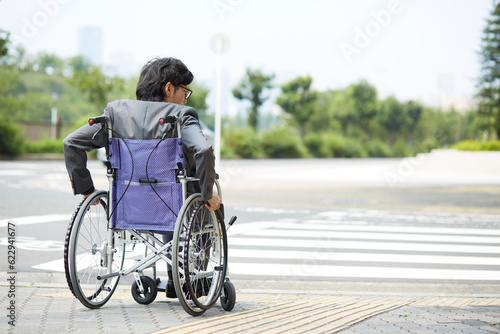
157 73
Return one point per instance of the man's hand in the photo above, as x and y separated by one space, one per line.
93 203
214 202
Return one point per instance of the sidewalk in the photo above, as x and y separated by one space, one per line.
313 307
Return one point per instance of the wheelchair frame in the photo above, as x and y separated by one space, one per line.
197 253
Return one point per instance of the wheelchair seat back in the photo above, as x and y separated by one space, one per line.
146 194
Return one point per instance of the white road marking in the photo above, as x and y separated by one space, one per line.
373 236
325 271
35 220
363 245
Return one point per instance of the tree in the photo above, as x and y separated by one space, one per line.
10 103
297 99
414 110
489 82
4 40
11 139
49 64
393 117
198 100
92 81
364 97
251 88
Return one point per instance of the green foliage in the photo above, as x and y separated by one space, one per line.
4 41
401 149
297 99
198 100
378 148
335 145
318 145
252 88
364 97
11 139
283 143
244 143
45 146
93 82
476 145
350 122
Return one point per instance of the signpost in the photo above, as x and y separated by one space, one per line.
219 45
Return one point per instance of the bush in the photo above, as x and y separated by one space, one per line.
377 148
347 147
45 146
11 139
426 146
401 149
283 143
475 145
333 145
243 143
318 145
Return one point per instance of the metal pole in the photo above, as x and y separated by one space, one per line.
53 121
53 116
218 99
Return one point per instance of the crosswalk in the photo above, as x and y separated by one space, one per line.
362 246
369 246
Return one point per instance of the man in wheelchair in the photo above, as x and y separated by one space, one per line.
162 91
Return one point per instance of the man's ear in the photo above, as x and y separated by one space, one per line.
168 90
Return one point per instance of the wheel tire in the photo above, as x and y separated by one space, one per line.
199 255
228 298
150 291
86 238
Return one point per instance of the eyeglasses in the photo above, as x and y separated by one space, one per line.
187 91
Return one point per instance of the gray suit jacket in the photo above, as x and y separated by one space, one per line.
133 119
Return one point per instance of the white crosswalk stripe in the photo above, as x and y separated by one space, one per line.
361 246
331 248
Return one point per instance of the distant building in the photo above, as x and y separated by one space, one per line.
90 44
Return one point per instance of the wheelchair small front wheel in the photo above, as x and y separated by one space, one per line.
150 291
228 297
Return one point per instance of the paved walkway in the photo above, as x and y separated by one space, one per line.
49 307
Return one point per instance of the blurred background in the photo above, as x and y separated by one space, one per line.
361 78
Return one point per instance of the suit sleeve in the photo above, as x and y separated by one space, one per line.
195 142
76 145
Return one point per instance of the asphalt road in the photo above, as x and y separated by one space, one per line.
289 205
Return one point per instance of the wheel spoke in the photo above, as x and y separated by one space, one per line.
87 246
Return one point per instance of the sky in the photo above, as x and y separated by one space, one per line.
425 50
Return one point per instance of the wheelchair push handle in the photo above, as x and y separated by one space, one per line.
172 120
168 119
98 119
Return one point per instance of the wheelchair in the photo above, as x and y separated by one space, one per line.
146 216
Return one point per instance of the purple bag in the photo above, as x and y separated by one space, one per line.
146 194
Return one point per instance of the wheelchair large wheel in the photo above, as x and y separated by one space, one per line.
199 256
92 250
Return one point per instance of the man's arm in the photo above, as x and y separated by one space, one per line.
196 143
76 145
